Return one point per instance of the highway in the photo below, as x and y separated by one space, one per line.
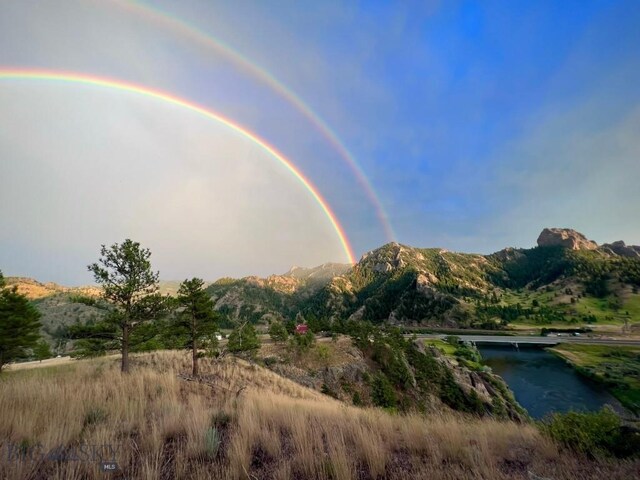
535 340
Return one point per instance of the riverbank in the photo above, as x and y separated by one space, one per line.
617 368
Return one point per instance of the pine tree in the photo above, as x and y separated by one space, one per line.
197 316
19 324
278 332
42 351
243 339
131 286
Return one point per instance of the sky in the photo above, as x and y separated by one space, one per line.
473 125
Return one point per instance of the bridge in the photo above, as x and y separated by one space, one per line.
517 340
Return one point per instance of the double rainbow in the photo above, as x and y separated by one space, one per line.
165 20
70 77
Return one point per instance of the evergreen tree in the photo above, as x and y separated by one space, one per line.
278 332
382 392
19 324
243 339
131 286
42 351
197 316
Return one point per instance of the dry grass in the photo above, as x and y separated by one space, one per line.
268 427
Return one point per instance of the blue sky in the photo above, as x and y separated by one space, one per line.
477 123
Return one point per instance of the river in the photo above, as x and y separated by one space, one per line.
543 383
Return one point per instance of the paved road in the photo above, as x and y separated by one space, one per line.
537 340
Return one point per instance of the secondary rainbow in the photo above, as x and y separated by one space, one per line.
72 77
171 22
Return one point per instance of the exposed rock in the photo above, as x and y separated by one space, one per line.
425 282
282 283
620 248
565 237
508 254
382 267
482 383
357 315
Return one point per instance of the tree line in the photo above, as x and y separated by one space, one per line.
137 317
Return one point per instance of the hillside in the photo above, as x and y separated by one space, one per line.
275 297
400 375
243 421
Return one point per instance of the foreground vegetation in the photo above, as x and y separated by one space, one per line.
618 368
242 421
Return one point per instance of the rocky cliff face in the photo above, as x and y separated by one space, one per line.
620 248
565 237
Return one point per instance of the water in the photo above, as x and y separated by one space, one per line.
543 383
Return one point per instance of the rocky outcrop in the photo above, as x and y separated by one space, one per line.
508 254
425 282
565 237
490 389
620 248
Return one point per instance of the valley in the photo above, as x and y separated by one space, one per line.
406 340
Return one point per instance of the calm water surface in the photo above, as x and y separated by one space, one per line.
543 383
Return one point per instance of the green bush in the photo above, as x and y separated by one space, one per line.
212 442
382 392
93 416
593 433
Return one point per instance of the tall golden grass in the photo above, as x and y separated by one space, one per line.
267 427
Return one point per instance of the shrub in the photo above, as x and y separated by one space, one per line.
94 416
327 391
593 433
212 442
323 352
221 420
452 340
278 332
382 392
270 361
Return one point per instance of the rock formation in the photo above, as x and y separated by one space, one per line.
565 237
620 248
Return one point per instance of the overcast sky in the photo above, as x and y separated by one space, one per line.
476 123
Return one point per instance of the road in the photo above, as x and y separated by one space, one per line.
536 340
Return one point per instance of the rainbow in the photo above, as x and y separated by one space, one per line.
70 77
181 27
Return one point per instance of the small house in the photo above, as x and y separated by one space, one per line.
301 329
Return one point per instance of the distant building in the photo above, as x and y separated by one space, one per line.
301 329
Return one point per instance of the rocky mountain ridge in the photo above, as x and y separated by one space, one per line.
557 281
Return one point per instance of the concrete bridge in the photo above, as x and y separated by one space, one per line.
517 340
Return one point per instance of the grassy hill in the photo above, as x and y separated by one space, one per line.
243 421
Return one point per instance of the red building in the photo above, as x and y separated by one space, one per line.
301 329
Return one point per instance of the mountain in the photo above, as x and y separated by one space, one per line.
34 290
566 279
60 306
277 296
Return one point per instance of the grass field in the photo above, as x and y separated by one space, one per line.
445 347
608 317
617 367
245 422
